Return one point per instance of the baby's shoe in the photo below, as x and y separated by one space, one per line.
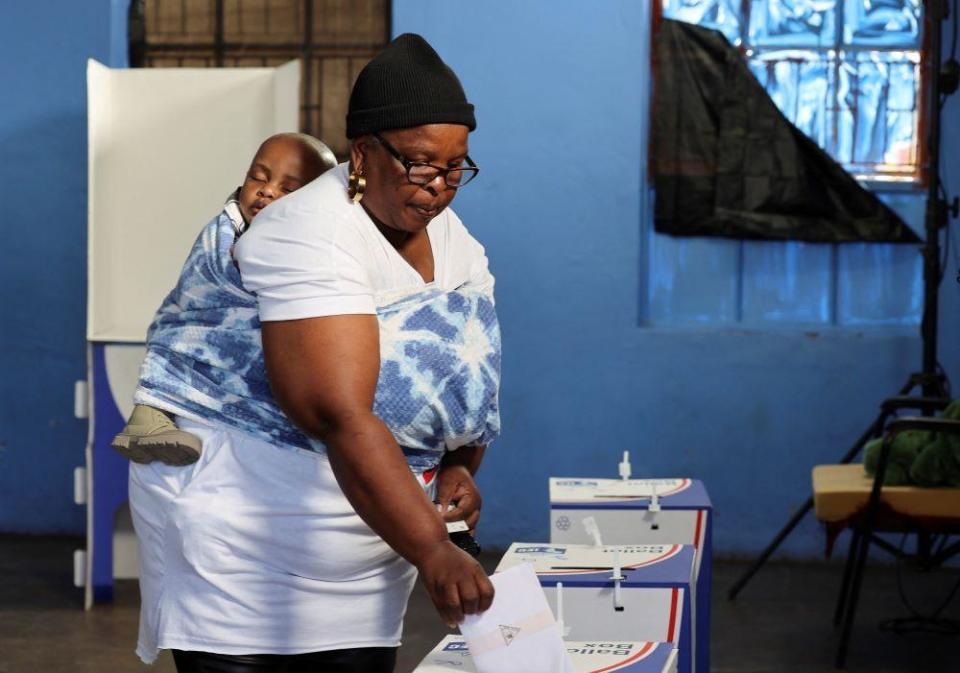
151 435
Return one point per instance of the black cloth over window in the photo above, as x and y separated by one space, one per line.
726 162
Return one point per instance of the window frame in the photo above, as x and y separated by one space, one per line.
217 52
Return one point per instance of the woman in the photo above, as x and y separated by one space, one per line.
294 546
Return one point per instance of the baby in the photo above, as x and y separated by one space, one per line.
284 163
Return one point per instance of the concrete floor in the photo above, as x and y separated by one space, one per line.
780 624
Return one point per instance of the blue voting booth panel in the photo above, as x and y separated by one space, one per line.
655 594
685 517
107 473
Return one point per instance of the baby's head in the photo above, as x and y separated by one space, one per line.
283 164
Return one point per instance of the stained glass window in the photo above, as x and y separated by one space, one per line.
846 72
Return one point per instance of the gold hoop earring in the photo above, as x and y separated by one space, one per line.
356 186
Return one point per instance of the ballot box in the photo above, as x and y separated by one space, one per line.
642 511
588 656
625 592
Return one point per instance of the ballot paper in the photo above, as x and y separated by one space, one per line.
457 526
518 634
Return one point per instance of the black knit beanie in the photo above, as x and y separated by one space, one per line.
406 84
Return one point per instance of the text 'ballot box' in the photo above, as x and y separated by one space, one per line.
587 656
681 513
650 600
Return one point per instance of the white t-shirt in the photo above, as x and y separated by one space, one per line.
315 253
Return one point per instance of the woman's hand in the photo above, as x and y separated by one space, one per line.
456 583
455 486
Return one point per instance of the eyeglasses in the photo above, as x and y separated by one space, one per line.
421 173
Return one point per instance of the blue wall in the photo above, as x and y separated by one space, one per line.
560 95
43 128
558 85
949 349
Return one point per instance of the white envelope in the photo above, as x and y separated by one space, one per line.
518 634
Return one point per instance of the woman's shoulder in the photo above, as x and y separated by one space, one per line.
314 215
458 238
327 194
329 190
464 258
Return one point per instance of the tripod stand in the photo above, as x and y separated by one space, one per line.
930 380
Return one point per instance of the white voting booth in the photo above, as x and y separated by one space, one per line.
165 149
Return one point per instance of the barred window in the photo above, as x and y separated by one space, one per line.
332 39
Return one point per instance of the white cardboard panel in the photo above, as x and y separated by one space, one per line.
126 550
165 147
123 373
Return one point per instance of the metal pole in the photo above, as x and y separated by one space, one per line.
136 27
306 105
861 550
933 221
218 30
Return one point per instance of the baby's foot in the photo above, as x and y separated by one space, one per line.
151 435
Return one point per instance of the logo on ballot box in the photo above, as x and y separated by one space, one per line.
636 549
509 633
615 649
456 646
540 549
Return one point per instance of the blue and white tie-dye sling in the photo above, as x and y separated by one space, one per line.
439 359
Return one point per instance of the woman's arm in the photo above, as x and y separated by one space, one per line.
323 373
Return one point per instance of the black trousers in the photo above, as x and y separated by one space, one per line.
357 660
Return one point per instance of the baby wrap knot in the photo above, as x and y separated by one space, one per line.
439 360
